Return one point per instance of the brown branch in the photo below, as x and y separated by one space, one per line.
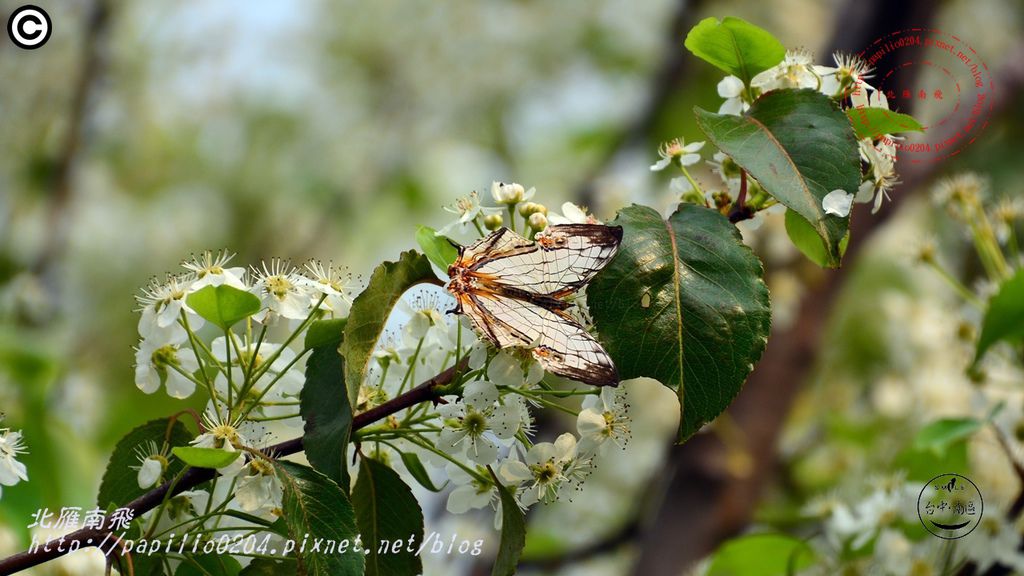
93 44
427 391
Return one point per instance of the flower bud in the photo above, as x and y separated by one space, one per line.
532 208
538 221
493 221
510 193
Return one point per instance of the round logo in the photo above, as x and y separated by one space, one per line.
29 27
950 77
950 506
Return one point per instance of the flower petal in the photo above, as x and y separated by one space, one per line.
837 202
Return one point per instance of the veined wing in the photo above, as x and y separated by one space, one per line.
502 243
563 258
558 343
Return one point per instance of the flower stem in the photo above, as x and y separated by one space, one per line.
955 284
478 228
195 350
256 401
411 371
263 368
692 182
427 446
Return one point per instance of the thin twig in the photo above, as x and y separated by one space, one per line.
427 391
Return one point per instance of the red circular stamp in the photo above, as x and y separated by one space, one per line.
951 92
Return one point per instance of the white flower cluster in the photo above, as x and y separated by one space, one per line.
846 83
251 372
511 198
171 351
887 517
11 446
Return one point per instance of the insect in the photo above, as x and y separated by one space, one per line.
514 291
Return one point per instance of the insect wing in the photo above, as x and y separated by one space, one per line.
562 260
560 344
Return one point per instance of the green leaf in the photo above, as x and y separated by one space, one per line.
268 567
922 465
735 46
371 309
513 533
761 555
387 515
683 302
799 146
418 472
438 249
1004 318
120 483
324 405
872 122
940 434
313 504
223 305
209 565
205 457
804 237
324 332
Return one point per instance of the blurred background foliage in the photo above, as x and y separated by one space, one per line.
145 131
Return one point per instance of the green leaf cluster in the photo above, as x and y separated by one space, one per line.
799 146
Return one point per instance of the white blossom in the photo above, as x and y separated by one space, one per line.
893 502
209 270
850 70
994 541
604 420
510 369
510 193
731 88
797 70
467 209
549 471
470 492
162 306
468 424
676 150
11 470
329 282
258 487
151 464
222 435
282 291
169 364
572 214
